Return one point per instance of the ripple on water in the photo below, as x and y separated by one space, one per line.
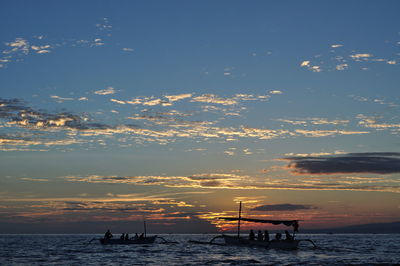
73 250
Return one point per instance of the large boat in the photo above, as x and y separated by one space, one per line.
117 241
264 242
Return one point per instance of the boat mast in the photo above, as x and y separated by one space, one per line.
240 214
144 225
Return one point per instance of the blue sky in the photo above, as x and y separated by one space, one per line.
177 110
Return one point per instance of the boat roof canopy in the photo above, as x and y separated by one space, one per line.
294 223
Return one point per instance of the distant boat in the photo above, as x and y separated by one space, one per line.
137 240
117 241
289 243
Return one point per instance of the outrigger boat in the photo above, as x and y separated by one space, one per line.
116 241
230 240
142 240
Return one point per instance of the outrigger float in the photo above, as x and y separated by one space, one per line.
270 244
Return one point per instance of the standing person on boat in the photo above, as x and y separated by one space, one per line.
278 236
141 236
266 235
126 236
259 236
251 235
108 235
122 237
136 236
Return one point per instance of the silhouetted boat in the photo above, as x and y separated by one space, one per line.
290 243
136 240
116 241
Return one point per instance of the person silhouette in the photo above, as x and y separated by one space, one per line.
288 236
259 235
108 234
251 235
266 235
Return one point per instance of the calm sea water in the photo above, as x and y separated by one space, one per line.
336 249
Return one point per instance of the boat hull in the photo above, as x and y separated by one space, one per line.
147 240
273 244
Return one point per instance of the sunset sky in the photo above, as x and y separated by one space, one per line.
112 112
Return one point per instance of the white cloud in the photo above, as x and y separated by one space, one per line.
118 101
61 99
305 63
359 57
212 98
276 92
342 67
109 90
19 45
127 49
173 98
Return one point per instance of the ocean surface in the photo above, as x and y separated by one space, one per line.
333 249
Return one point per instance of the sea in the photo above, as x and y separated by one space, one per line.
85 249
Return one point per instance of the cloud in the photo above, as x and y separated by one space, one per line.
245 182
359 57
336 45
205 180
15 141
313 68
315 121
173 98
325 133
342 67
60 99
374 163
41 49
109 90
282 207
276 92
305 63
18 45
128 49
212 98
371 122
118 101
27 117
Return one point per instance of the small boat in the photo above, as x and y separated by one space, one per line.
137 240
289 243
132 241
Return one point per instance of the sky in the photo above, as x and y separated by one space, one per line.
115 112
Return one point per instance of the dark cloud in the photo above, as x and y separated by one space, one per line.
282 207
213 183
17 111
370 162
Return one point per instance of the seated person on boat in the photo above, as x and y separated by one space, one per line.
288 235
251 235
108 235
260 236
266 235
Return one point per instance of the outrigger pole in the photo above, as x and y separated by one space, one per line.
240 214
